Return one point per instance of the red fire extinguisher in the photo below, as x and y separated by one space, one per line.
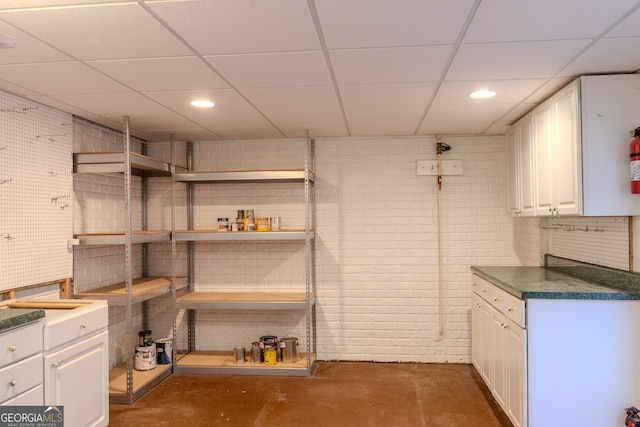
634 150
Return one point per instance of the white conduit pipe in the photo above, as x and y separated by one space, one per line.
440 330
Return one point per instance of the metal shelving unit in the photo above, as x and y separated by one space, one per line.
126 384
215 362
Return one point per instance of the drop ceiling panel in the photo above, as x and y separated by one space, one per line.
88 32
604 57
30 49
275 69
108 104
292 97
387 94
160 74
629 26
384 121
60 78
462 119
230 109
312 119
520 60
241 26
377 23
543 19
251 133
389 65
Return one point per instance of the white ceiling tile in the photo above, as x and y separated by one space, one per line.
108 104
248 133
607 56
387 94
275 69
292 97
389 65
159 74
508 20
520 60
507 91
462 119
88 32
241 26
383 23
397 120
628 27
230 109
298 117
60 78
29 49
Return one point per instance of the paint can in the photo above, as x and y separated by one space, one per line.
164 351
249 225
289 349
270 356
256 353
239 355
275 223
223 224
262 224
145 358
248 214
144 338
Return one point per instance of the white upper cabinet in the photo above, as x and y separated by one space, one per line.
520 176
579 143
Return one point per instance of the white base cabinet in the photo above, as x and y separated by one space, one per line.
61 360
499 347
574 361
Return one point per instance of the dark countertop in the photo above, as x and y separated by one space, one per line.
14 317
548 283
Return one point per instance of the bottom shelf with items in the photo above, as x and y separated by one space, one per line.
223 362
143 381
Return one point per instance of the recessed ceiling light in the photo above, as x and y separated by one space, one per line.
203 103
483 93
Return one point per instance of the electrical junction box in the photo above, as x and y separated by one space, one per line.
430 167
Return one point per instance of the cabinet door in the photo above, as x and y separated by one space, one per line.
499 360
513 171
482 346
542 119
515 344
565 152
526 152
78 379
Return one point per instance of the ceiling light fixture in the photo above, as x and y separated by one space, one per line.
481 94
202 103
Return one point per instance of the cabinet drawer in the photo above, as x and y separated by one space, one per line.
68 325
509 305
20 343
20 377
33 397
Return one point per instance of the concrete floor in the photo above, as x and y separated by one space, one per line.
338 394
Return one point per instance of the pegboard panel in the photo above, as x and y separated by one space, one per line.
35 193
601 240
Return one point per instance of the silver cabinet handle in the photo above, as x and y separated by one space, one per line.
13 347
83 325
510 309
484 290
13 382
55 364
496 299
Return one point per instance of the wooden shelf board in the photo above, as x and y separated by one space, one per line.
224 361
120 238
118 378
293 175
244 300
214 235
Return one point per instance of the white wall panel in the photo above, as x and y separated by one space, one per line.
35 193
